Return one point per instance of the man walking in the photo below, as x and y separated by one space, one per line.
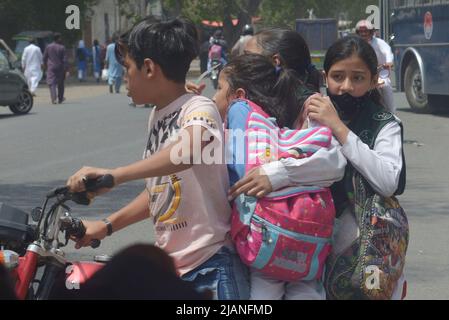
32 62
55 60
115 69
366 30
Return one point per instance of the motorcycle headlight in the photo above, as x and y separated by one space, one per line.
9 259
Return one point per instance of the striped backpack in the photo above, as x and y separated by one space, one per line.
287 234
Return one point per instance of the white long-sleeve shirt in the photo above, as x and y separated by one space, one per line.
383 51
381 166
322 169
32 58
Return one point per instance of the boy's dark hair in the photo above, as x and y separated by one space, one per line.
293 52
139 272
349 46
172 45
268 86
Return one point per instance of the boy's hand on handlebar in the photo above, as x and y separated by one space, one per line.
95 230
76 183
255 184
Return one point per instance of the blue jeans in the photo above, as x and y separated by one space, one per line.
224 274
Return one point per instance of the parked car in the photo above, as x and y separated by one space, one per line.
14 90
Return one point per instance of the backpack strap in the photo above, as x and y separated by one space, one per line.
403 175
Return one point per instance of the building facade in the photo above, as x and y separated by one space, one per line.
112 16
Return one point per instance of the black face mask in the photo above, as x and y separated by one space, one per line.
348 106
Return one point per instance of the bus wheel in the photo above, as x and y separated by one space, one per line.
417 99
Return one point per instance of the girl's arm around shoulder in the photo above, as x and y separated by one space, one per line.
322 169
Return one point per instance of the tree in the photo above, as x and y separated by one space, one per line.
216 10
21 15
285 15
133 11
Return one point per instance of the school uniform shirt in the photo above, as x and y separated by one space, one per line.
189 209
381 166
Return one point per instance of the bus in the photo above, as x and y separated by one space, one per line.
319 34
418 32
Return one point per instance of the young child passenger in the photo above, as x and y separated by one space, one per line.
253 77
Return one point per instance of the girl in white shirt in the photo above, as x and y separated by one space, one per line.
352 109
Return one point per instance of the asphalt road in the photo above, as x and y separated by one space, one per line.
40 150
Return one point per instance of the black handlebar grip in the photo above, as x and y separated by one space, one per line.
77 228
106 181
79 231
92 185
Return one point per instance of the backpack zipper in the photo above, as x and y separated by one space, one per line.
266 233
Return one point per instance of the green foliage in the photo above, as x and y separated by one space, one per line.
216 10
274 14
22 15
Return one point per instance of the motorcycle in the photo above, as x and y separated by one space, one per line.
214 72
28 249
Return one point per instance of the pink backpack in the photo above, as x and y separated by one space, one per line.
287 234
215 52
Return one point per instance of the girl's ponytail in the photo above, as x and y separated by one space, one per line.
270 87
285 91
312 81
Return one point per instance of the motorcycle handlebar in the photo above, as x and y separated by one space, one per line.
106 181
92 185
76 228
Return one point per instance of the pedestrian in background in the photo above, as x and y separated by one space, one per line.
32 62
82 54
96 60
239 46
55 61
366 30
115 69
